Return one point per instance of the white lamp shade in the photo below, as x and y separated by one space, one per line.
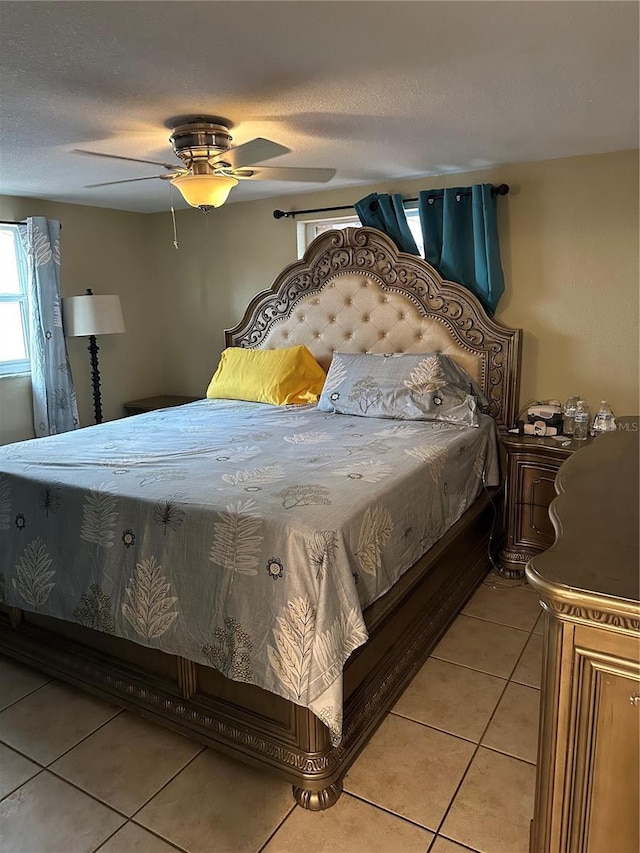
92 315
204 191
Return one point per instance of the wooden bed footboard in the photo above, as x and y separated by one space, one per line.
247 722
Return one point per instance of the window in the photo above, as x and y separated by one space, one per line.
311 228
14 330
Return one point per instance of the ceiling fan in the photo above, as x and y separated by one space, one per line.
212 166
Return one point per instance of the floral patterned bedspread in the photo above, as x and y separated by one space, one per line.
242 536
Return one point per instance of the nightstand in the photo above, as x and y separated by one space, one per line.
531 465
150 404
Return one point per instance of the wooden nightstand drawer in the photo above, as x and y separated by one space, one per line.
536 490
537 484
535 525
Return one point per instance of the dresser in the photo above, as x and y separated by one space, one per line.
532 463
588 770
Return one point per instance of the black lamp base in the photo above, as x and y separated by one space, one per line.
95 378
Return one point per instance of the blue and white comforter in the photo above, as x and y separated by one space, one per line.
242 536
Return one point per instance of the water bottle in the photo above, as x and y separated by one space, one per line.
567 415
604 420
581 421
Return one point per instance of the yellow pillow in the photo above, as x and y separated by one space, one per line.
280 376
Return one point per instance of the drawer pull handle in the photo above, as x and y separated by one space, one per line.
634 699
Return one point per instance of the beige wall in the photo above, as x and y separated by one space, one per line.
569 241
108 251
16 412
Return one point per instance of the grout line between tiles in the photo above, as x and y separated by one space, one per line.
30 693
389 811
150 831
97 729
23 754
17 788
493 622
58 775
436 728
278 827
508 754
506 681
522 683
464 775
86 793
472 668
453 841
45 764
528 632
162 787
109 837
475 752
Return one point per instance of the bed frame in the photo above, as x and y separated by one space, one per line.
352 291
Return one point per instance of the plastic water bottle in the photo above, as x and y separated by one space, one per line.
567 415
604 420
581 421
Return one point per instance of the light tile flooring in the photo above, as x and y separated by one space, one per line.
450 769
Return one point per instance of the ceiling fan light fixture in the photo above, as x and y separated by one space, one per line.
204 191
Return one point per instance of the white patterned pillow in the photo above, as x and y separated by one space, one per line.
408 386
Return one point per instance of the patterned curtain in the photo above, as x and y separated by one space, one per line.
54 398
386 213
460 229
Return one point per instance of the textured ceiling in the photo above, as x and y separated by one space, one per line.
378 90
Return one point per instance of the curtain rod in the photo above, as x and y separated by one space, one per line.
502 189
17 222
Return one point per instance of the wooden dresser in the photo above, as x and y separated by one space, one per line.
588 778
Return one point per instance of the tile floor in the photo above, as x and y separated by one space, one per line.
451 768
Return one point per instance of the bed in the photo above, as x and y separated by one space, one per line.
321 515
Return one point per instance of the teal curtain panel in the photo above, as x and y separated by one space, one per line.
386 213
460 230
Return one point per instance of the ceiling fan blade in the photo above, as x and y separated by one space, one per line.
171 166
127 181
255 151
270 173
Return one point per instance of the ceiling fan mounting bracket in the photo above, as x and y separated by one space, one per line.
200 140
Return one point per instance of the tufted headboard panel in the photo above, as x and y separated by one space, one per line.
354 313
354 292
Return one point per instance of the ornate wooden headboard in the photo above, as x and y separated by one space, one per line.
354 292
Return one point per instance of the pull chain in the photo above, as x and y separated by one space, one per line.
173 220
